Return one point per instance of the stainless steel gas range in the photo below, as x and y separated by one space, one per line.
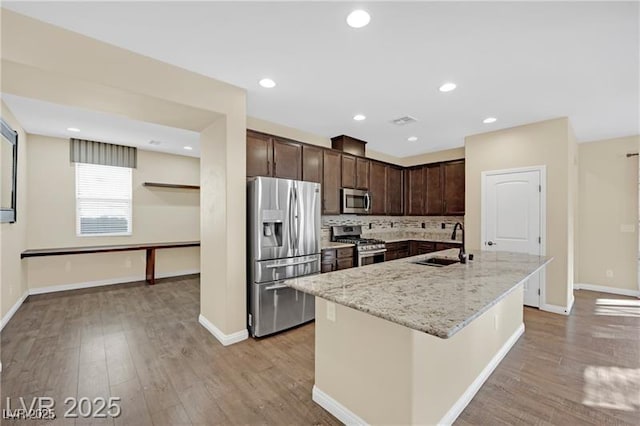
369 250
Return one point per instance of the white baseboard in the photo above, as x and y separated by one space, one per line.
225 339
348 417
13 310
471 391
338 410
555 309
605 289
121 280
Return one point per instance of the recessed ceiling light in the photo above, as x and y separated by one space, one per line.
358 19
188 148
448 87
267 83
489 120
412 138
359 117
73 129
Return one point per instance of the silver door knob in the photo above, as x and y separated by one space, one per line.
491 243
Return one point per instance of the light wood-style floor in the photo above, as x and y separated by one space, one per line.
144 344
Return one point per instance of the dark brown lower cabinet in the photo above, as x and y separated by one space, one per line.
445 246
421 247
337 259
400 249
397 250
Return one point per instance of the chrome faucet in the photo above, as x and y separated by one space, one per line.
461 255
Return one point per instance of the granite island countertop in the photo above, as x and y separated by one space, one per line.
436 301
428 240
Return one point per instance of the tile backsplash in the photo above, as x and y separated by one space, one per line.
389 228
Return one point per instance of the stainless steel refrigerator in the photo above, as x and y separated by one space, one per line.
283 218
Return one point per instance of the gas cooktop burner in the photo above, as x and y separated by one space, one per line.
351 235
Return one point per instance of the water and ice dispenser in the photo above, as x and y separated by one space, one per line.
272 221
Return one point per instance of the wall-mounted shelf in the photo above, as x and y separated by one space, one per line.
171 185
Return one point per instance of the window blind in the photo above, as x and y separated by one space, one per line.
107 154
103 200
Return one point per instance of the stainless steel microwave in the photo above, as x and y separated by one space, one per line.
355 201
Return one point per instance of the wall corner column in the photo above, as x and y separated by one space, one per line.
223 227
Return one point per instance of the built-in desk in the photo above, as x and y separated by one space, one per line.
150 248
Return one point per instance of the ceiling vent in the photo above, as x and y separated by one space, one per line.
407 119
154 142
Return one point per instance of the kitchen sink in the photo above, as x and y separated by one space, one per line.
436 261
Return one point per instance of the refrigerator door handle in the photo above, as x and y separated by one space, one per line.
284 265
291 246
296 214
276 287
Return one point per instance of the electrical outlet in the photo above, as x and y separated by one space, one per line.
370 226
331 311
609 273
443 225
424 225
627 228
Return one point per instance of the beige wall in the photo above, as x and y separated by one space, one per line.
41 61
386 373
546 143
608 201
159 215
13 236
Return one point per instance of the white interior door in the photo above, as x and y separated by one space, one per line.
512 218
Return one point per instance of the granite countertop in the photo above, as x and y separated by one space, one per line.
331 245
429 240
437 301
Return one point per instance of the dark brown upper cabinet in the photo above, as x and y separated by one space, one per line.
348 171
259 154
349 145
362 173
415 190
378 188
331 182
439 187
312 164
394 191
287 159
453 187
436 189
434 204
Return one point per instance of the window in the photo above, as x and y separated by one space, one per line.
103 200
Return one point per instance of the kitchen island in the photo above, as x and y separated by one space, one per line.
402 343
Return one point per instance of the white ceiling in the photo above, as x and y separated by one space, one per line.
520 62
49 119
